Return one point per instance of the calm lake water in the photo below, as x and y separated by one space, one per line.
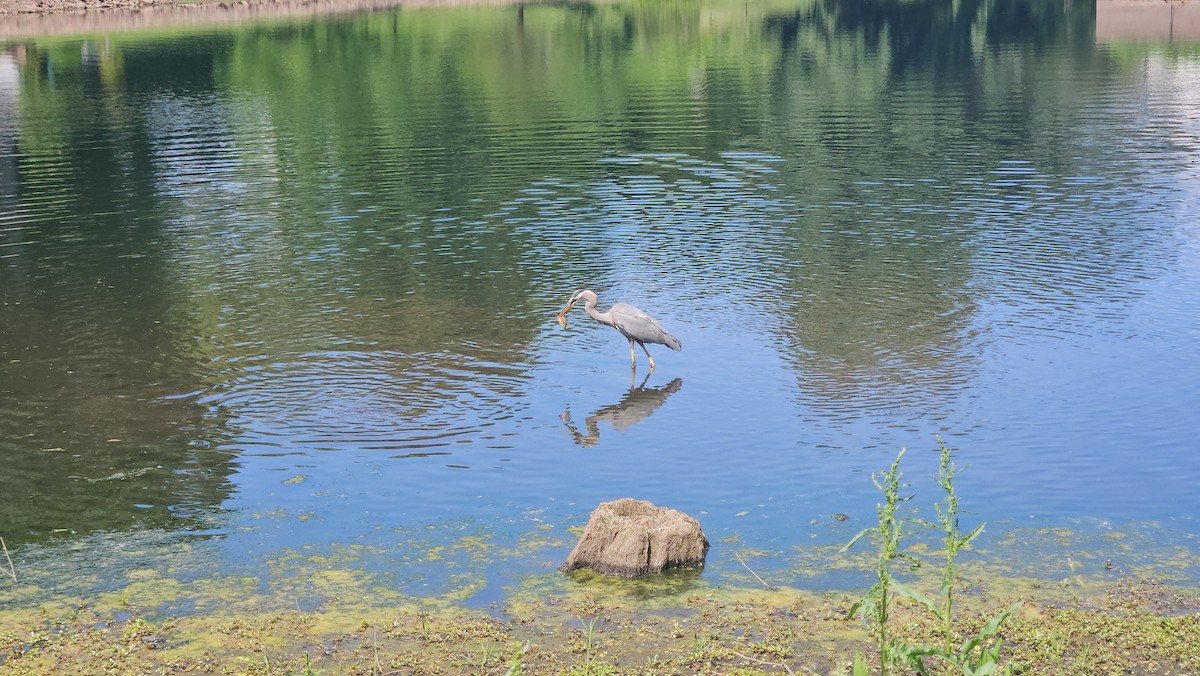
277 297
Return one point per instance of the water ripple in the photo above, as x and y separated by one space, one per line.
381 401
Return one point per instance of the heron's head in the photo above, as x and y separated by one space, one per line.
581 296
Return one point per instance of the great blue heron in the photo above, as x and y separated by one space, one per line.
633 323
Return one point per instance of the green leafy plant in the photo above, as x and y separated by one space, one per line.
516 662
976 655
952 541
590 667
486 648
888 534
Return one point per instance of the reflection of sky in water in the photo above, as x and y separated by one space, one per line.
381 368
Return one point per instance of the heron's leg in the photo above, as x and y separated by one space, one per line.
633 357
647 356
643 382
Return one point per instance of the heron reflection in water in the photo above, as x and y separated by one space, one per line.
633 323
635 406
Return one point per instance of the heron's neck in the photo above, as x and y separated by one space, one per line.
602 317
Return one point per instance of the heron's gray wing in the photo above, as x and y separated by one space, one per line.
636 324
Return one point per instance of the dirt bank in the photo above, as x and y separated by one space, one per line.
1133 20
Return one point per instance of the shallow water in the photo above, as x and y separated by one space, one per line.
290 287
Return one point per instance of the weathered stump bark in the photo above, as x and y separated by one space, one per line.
631 538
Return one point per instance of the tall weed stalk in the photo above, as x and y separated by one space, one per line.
952 541
888 535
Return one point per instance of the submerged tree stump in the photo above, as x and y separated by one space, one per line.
631 538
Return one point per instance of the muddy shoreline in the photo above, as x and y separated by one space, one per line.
1130 627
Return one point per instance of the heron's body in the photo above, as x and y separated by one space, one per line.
635 324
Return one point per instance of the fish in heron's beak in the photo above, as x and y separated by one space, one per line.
562 316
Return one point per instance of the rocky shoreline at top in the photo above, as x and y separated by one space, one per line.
24 18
